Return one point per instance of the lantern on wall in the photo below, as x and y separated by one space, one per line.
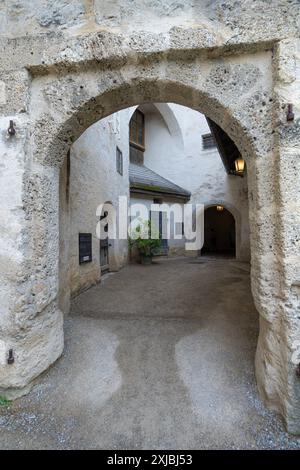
220 208
239 165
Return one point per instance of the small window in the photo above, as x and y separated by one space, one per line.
119 161
208 141
137 130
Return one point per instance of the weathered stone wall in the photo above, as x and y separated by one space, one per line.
65 234
230 19
237 64
279 338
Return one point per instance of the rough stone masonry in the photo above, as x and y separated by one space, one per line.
67 64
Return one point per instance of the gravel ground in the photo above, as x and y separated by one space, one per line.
157 356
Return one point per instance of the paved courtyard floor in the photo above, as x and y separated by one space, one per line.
157 357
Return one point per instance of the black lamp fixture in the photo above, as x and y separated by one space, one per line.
11 130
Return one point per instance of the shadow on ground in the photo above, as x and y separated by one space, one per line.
157 356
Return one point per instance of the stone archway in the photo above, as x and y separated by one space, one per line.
67 97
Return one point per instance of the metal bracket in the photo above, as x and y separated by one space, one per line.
11 130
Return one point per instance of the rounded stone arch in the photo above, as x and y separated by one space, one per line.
71 120
92 95
65 103
64 106
237 218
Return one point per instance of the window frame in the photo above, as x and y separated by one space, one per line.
135 143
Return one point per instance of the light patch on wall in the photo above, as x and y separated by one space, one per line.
2 93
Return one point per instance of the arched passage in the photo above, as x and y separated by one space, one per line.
65 102
219 232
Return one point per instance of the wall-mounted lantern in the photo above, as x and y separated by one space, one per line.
239 166
220 208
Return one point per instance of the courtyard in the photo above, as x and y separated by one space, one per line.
158 356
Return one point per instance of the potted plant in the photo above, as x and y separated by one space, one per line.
145 238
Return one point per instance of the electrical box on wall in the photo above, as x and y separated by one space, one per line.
85 248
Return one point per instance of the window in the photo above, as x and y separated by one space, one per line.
137 130
208 141
119 161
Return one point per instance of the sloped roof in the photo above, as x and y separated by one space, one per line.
144 180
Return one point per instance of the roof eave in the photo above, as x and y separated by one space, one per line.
155 192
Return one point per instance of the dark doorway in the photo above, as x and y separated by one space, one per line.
104 262
219 232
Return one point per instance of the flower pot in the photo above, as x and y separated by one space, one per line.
146 259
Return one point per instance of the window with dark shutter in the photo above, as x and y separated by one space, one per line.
208 141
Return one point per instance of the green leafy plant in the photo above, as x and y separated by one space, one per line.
145 237
4 402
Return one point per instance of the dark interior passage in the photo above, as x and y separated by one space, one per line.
219 231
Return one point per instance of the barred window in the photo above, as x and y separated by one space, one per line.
208 141
119 161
